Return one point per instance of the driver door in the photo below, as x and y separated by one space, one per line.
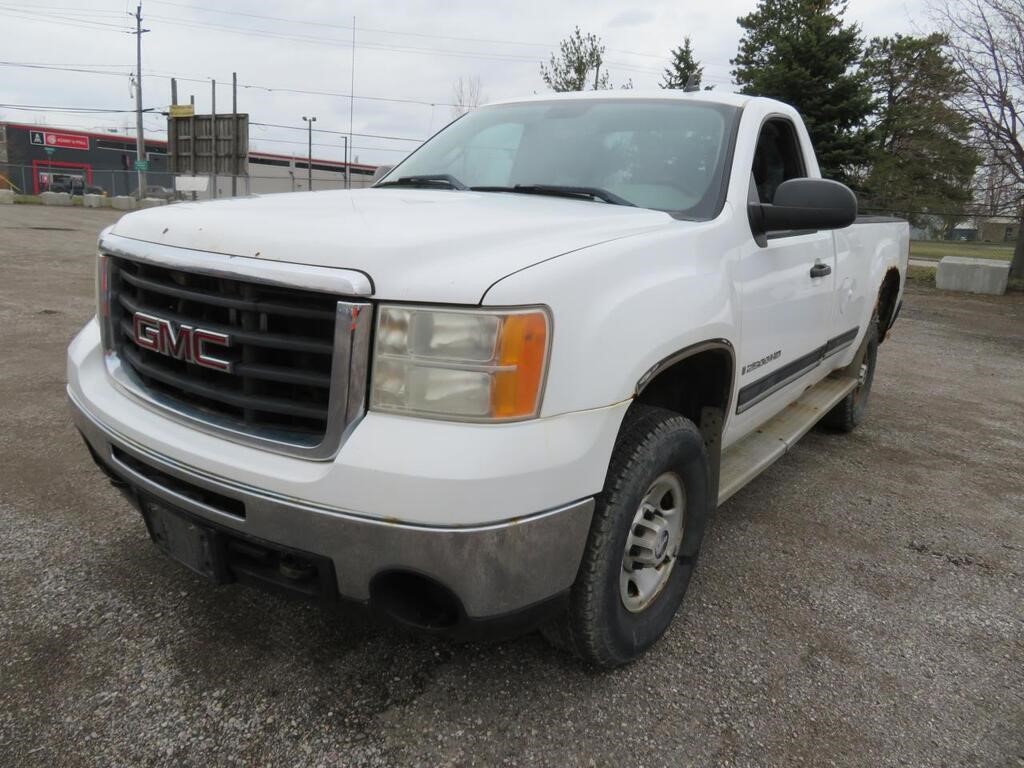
786 284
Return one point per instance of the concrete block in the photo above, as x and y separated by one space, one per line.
55 198
151 202
959 273
6 196
123 203
95 201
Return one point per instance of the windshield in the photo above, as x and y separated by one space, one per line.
664 154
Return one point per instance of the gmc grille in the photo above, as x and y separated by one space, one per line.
290 366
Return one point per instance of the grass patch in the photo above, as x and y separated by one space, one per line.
936 249
921 275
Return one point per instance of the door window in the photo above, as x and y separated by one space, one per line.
777 158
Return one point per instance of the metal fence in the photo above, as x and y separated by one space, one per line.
33 179
971 228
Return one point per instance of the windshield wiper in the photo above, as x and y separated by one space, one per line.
426 180
595 193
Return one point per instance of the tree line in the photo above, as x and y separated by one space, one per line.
928 126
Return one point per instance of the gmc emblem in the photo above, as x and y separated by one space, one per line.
182 342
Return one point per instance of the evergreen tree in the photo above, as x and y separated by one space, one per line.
683 64
579 56
801 52
922 156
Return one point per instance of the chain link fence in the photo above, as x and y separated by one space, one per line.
41 177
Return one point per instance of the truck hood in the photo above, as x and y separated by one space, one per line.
415 244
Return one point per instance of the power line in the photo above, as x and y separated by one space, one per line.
329 146
71 110
337 133
249 32
206 81
26 15
334 42
78 11
378 30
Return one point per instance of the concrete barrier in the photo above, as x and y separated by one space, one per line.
6 196
151 202
959 273
123 203
55 198
95 201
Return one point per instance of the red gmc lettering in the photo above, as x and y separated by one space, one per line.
200 339
182 342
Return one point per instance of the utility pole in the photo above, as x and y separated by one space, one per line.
309 156
213 141
140 139
234 134
351 106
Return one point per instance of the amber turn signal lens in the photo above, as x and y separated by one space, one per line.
522 353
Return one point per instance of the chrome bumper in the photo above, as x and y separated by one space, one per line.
493 570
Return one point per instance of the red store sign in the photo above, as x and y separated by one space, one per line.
59 140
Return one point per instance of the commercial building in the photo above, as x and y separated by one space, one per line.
34 158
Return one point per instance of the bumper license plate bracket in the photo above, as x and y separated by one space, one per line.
196 546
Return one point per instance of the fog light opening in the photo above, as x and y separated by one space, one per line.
415 600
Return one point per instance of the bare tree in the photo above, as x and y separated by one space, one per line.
997 191
467 95
986 40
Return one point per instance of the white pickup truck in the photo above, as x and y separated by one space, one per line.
507 386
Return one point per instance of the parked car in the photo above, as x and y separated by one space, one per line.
155 190
507 386
76 186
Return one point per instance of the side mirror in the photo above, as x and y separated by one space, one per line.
380 173
802 204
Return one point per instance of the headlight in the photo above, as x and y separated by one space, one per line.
466 365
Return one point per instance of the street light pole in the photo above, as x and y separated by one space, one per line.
309 156
347 182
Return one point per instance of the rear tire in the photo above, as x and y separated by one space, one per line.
644 539
849 412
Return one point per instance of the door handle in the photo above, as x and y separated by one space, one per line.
820 270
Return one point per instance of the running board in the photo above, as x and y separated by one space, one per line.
752 455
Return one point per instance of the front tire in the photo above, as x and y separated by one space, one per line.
644 539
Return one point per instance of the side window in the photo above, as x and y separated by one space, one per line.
777 158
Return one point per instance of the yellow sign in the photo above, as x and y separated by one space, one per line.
182 110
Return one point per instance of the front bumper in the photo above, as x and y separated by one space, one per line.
492 570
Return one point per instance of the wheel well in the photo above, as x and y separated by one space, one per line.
687 386
697 386
887 302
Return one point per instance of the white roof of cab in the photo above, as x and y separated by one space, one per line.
714 97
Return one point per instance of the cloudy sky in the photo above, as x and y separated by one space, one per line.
296 58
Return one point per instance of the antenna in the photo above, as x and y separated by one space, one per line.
692 83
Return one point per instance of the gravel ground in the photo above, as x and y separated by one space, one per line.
862 603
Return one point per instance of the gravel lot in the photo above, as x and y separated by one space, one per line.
862 603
